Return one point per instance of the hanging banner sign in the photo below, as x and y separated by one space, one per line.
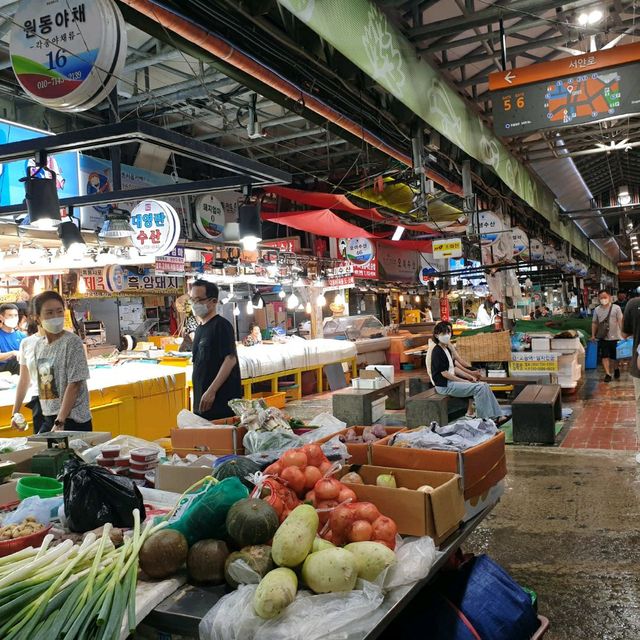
157 227
550 256
136 285
536 249
445 311
68 54
213 211
490 225
173 262
398 265
361 253
335 282
290 244
520 241
450 248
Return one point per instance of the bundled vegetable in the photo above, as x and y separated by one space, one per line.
71 591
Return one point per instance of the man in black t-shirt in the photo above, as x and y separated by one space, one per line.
216 372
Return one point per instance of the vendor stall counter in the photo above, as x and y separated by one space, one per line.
136 399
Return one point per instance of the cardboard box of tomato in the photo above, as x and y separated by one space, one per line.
436 512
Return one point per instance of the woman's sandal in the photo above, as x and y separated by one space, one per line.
502 420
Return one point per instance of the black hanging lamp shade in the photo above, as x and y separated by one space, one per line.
250 226
72 239
41 198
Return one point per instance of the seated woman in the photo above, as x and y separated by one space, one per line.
442 371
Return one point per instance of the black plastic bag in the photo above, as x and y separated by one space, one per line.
94 496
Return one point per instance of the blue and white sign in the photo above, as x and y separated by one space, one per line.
156 228
360 251
520 241
537 250
490 225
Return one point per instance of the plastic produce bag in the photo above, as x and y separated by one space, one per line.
94 496
259 441
414 559
188 419
328 420
126 443
42 509
309 617
203 513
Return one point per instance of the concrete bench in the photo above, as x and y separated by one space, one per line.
353 406
535 412
429 406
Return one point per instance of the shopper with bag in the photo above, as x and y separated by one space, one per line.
606 328
62 370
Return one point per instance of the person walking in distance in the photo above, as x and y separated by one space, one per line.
606 328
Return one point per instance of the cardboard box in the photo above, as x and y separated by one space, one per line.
480 467
475 505
219 440
22 457
437 514
540 344
178 478
360 451
8 491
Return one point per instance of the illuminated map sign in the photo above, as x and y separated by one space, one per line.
579 90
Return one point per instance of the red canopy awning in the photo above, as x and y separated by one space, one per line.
423 246
342 203
327 201
322 222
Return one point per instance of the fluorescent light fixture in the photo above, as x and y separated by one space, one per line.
588 18
397 234
595 16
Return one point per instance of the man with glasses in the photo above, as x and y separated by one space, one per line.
216 372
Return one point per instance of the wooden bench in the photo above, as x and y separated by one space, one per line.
429 406
353 406
535 412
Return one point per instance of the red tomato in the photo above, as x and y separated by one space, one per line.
314 453
385 529
311 476
366 511
325 466
361 531
341 520
323 509
273 469
347 494
294 458
294 476
311 497
328 488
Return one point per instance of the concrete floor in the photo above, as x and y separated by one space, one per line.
568 524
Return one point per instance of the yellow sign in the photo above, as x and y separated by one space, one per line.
539 366
451 248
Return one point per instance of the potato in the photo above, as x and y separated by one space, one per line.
294 538
276 591
371 558
330 571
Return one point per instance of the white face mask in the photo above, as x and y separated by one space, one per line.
201 309
53 325
11 323
445 338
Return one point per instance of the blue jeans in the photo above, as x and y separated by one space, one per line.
486 404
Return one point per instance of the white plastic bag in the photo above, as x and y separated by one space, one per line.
188 419
310 617
42 509
414 559
328 420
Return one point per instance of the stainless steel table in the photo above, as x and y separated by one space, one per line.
182 612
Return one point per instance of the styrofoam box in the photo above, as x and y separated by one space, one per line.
385 370
370 383
562 344
540 344
378 408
